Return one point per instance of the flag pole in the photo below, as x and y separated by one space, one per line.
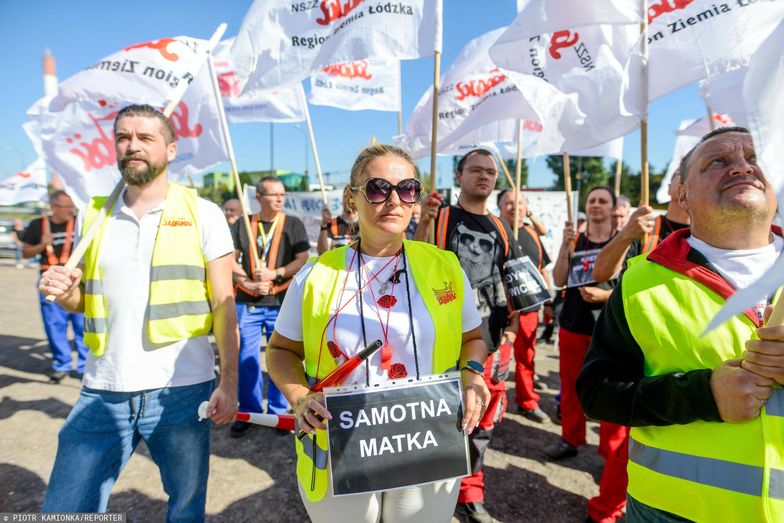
434 132
224 124
618 170
711 122
87 237
505 169
312 138
400 122
568 188
644 183
518 175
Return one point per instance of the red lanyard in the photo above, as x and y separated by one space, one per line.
386 350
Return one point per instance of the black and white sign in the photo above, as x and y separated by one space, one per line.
581 268
386 437
524 284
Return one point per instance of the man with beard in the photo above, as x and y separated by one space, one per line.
706 408
156 280
52 239
482 243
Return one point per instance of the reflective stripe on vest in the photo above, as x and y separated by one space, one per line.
702 471
438 278
179 306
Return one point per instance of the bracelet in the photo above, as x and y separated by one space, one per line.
324 227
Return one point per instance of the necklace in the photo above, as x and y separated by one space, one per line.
386 301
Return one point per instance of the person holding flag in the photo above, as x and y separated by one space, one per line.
641 234
409 294
282 244
482 243
705 407
338 231
52 238
156 281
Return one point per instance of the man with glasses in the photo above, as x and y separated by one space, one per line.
52 239
482 243
282 246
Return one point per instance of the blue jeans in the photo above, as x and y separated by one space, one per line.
250 383
104 428
56 326
638 512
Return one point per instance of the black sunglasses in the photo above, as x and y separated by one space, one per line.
378 190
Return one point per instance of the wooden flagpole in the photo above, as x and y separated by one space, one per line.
434 133
87 237
505 169
644 183
711 122
568 188
312 138
224 123
518 175
618 172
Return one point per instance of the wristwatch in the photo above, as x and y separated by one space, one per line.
474 366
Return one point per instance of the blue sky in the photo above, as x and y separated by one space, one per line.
82 31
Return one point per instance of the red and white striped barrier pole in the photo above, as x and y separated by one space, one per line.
276 421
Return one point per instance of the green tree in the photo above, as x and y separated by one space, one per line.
630 183
586 171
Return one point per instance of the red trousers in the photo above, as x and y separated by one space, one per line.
613 439
472 488
524 351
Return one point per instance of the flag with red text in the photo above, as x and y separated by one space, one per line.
373 83
724 95
28 185
286 104
281 42
553 15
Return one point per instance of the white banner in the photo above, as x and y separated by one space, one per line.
149 72
683 144
26 186
724 94
549 16
283 41
283 105
372 84
584 71
697 39
78 141
765 108
477 103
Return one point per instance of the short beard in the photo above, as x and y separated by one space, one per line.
142 177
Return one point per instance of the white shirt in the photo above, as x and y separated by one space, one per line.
131 362
348 331
742 267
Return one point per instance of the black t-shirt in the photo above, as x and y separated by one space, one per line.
479 247
578 315
341 232
32 236
665 228
293 240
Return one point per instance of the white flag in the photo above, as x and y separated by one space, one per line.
724 95
683 144
690 41
373 84
283 105
765 109
150 72
281 42
549 16
78 140
477 103
584 68
28 185
611 149
701 127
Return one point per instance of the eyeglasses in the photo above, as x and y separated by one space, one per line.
378 190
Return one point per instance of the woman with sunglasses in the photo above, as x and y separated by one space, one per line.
381 287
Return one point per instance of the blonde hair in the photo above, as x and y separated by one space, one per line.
373 152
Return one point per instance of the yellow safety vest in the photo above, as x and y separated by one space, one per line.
439 280
179 305
703 471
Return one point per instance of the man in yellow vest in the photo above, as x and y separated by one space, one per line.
707 437
156 280
282 246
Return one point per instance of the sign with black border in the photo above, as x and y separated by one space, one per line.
396 434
